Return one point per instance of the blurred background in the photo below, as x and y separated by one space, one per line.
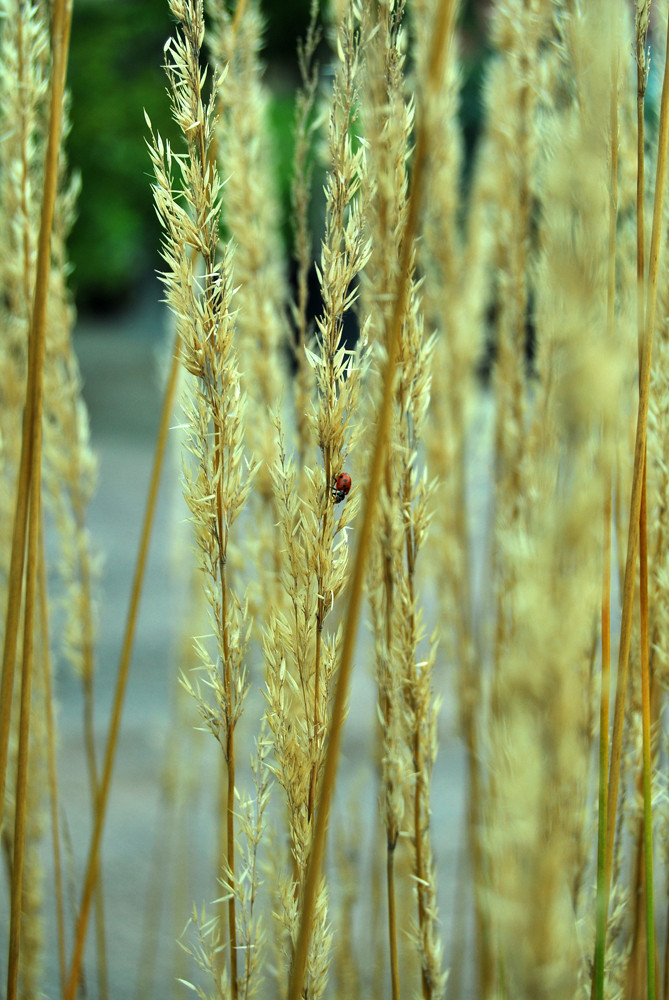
115 71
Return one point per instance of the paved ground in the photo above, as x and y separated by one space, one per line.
120 362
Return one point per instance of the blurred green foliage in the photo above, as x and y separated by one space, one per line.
116 71
282 122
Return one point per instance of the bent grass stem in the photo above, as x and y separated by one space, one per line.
30 460
638 475
443 21
90 877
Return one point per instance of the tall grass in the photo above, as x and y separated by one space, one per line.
495 538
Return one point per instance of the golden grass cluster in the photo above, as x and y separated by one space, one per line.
503 538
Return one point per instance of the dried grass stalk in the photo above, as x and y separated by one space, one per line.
218 479
300 651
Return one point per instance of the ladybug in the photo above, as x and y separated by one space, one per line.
341 486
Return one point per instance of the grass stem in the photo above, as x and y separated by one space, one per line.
90 877
601 915
51 763
392 922
229 704
597 991
21 796
646 743
392 831
312 880
32 415
638 474
28 502
648 890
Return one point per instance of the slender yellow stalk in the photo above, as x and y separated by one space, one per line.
648 888
387 123
53 778
392 922
89 743
90 877
393 793
300 650
640 926
230 855
638 469
86 665
21 797
665 979
601 914
32 418
366 530
27 512
219 480
15 582
173 856
649 893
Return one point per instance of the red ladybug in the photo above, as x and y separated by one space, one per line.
341 487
